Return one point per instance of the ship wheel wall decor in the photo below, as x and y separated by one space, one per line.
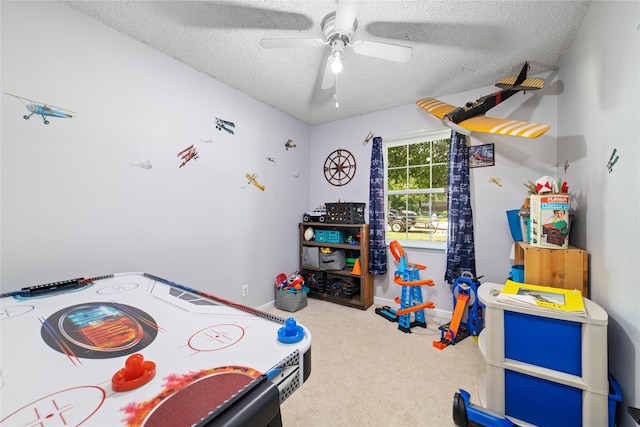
340 167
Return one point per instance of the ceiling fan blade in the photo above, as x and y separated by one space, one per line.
345 16
392 52
287 43
227 14
446 34
329 78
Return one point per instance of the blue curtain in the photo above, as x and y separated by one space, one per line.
460 244
377 225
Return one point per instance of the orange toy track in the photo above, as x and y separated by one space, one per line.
427 304
411 303
455 321
427 282
398 252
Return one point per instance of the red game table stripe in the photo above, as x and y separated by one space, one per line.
194 402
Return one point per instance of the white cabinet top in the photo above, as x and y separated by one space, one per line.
596 315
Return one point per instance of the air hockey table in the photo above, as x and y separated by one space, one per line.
138 350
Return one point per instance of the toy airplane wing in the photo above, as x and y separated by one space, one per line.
511 83
186 150
435 107
47 108
504 126
253 180
225 122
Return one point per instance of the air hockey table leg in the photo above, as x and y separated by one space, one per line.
467 414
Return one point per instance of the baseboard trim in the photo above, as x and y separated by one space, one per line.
435 312
267 306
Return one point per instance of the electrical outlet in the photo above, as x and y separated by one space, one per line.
245 290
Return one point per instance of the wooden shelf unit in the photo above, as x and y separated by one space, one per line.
364 298
559 268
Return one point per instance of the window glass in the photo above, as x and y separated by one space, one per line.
416 170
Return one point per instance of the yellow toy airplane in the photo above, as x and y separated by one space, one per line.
253 180
471 117
496 181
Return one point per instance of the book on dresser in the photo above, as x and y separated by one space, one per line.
544 297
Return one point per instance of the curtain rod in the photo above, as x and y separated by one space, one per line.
422 132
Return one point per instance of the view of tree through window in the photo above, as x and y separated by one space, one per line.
416 185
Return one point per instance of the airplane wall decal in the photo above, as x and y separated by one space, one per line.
226 125
253 179
496 181
471 117
368 138
43 110
187 154
612 160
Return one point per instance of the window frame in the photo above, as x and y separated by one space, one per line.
419 137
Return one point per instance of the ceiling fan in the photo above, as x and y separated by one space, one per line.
338 28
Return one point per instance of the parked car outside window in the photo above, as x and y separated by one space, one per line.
400 222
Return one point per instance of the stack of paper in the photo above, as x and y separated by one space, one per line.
543 297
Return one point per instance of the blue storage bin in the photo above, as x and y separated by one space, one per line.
615 396
514 225
543 341
517 273
542 402
329 236
545 367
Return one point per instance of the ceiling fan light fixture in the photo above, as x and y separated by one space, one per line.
338 29
337 53
336 65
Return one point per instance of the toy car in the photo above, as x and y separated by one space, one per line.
316 215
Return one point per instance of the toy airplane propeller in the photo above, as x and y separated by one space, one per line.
42 110
471 117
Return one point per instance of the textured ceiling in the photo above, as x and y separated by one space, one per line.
457 46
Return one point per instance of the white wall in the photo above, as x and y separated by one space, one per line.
72 206
517 161
592 104
598 111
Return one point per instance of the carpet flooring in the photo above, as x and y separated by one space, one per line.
366 372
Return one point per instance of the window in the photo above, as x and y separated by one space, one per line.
416 169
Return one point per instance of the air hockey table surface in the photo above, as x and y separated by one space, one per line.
138 350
